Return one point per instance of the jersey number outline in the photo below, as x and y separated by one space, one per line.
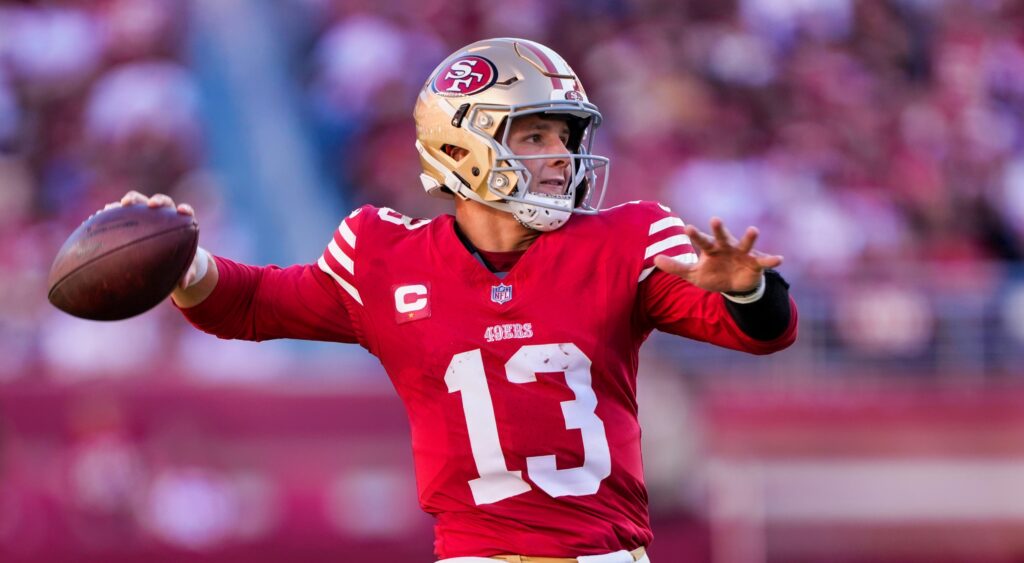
466 375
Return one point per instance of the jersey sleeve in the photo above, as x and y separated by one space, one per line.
666 236
671 304
310 302
339 258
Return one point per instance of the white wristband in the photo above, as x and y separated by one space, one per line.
202 260
748 297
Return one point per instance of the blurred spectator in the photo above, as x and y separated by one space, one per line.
139 29
785 22
880 320
358 99
10 116
50 50
346 79
142 122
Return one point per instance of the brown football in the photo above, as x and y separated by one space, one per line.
122 262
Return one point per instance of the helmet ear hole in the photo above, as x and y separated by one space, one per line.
499 133
455 152
577 129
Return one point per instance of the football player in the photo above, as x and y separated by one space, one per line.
511 329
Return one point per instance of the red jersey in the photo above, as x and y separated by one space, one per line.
521 390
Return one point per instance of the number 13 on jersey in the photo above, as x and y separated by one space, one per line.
466 376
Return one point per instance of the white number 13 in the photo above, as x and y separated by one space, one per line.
466 375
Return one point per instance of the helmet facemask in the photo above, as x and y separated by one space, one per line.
510 180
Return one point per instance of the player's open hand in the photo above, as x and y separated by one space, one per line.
725 264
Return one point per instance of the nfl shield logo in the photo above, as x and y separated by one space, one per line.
501 293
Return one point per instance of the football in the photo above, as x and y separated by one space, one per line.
122 262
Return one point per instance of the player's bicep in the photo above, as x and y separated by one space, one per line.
319 301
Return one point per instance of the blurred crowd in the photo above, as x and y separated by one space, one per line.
864 139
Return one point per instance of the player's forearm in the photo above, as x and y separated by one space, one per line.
257 303
223 300
195 294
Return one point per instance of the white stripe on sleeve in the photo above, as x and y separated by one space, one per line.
662 224
344 284
347 234
666 244
341 257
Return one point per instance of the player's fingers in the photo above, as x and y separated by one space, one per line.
746 243
133 198
161 200
699 239
186 209
112 205
769 261
722 235
673 266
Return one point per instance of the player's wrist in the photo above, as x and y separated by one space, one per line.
202 266
748 296
201 286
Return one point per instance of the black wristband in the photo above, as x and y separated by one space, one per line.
768 317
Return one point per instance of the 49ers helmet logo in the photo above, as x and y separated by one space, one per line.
465 76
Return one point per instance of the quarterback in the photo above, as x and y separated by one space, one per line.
511 329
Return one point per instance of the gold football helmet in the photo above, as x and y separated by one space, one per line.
469 102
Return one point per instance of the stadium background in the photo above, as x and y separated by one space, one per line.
879 145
